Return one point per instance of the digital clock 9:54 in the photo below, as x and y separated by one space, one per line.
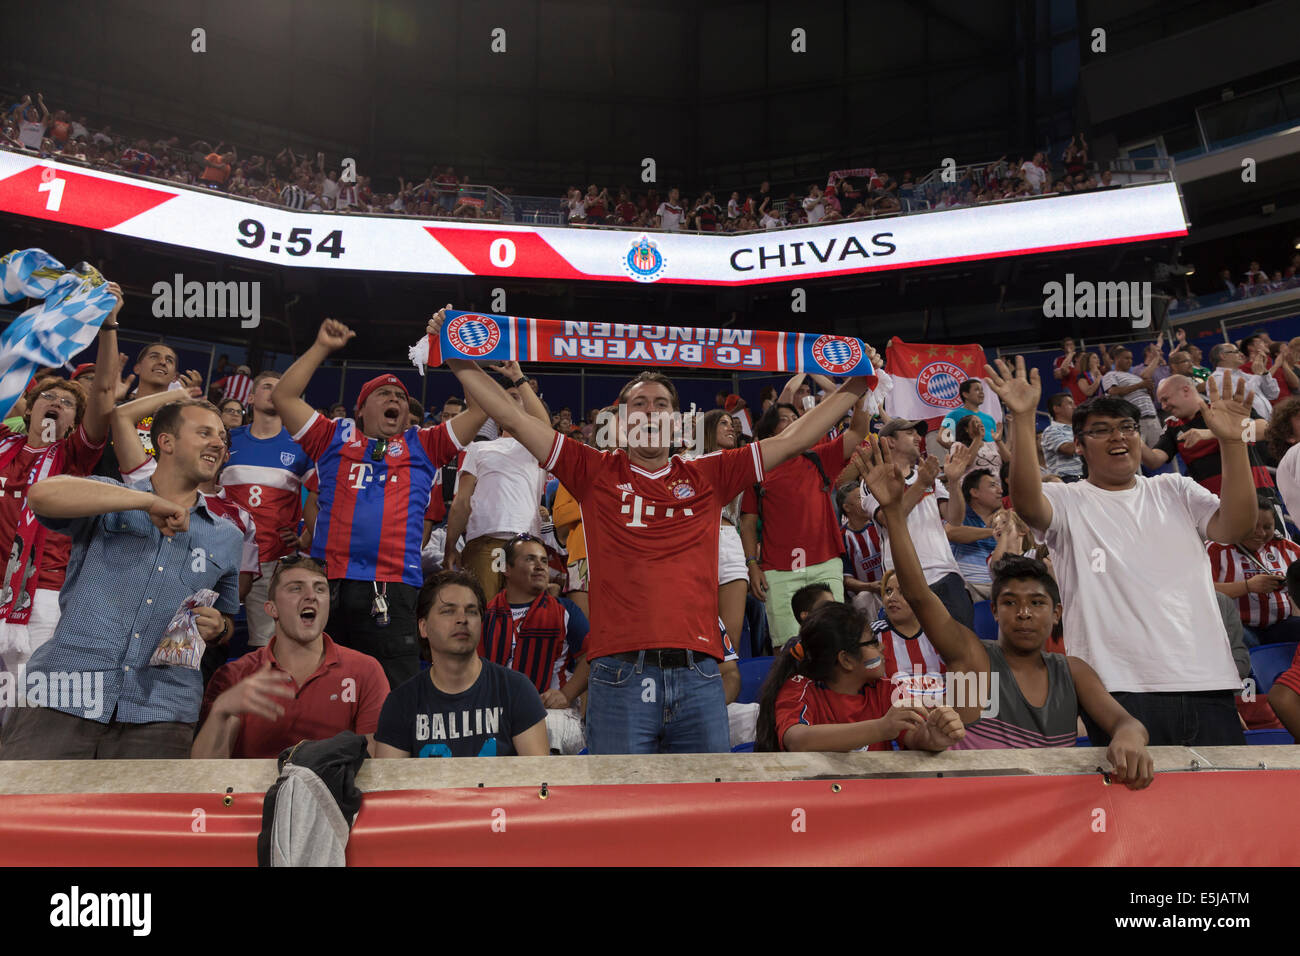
298 242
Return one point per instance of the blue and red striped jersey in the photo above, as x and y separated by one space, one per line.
372 500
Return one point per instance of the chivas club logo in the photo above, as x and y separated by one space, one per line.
938 384
644 262
473 335
836 354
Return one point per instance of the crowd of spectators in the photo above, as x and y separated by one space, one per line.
491 576
301 181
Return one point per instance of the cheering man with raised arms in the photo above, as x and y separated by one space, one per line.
1130 559
651 520
375 476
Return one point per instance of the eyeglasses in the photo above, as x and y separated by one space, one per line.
1125 429
57 399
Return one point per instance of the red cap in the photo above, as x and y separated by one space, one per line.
83 368
731 402
379 381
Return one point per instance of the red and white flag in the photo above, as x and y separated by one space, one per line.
927 378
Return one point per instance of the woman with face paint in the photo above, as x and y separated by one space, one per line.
827 691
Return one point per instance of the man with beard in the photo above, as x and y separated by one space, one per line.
300 686
136 557
374 474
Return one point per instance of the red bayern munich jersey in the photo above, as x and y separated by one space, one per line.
650 537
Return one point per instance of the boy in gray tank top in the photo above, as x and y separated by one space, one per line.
1024 697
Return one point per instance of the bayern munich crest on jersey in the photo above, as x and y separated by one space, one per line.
394 449
682 489
644 262
938 384
473 335
836 353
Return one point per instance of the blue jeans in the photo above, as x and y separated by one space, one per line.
641 708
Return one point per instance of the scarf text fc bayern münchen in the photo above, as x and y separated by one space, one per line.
477 336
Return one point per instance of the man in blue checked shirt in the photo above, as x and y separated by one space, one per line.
136 556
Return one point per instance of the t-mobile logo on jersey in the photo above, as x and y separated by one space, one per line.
638 509
359 474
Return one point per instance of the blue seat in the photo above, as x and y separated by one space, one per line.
1268 661
752 674
1269 737
986 628
1082 742
743 748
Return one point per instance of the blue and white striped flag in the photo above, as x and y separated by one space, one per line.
51 334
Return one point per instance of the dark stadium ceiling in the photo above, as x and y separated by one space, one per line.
583 91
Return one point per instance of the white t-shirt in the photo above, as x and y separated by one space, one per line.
815 207
1035 175
1288 479
508 492
670 216
1136 584
1141 398
31 134
925 525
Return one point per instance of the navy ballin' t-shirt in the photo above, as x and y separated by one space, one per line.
479 722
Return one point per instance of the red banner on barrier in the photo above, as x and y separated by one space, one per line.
975 821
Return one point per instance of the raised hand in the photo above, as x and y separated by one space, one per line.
510 371
1019 392
958 463
878 470
119 299
436 320
1228 416
192 382
333 335
927 471
123 387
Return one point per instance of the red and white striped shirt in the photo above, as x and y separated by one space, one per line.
1230 564
914 667
863 553
238 386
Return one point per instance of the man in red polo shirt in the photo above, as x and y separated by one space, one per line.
301 686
